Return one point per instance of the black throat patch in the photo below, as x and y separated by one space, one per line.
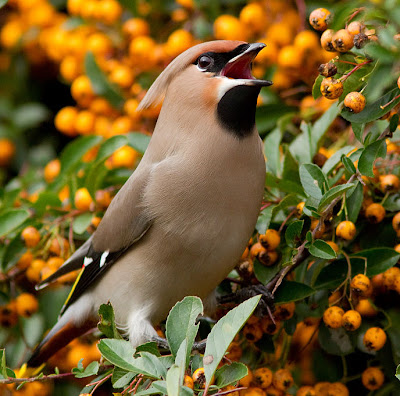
236 110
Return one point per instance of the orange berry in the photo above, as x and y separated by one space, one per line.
351 320
355 27
270 240
346 230
252 332
269 54
320 18
65 120
188 381
280 33
70 68
285 311
135 27
289 57
268 258
396 223
333 245
199 378
299 209
101 106
178 41
342 40
228 27
130 108
96 221
7 151
31 236
282 379
389 277
306 41
83 200
247 379
26 305
372 378
365 308
25 260
263 377
361 285
141 51
52 170
337 389
333 317
374 338
11 33
306 391
59 246
8 315
389 183
331 88
99 44
326 40
109 11
82 91
103 198
122 75
254 17
124 157
33 271
84 122
354 102
375 213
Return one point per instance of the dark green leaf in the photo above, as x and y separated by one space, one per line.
101 85
392 204
268 115
223 333
286 202
373 111
292 291
394 122
285 185
316 89
109 146
46 201
358 130
130 5
230 374
354 203
12 219
107 321
82 222
369 155
335 341
3 367
264 219
121 378
264 274
271 150
150 347
139 141
313 180
333 193
321 249
12 253
348 164
293 232
332 161
290 167
181 324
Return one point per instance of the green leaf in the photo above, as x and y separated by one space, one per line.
264 274
393 123
313 180
107 321
285 185
101 85
271 150
223 333
12 253
46 201
152 364
354 202
286 202
333 193
316 89
398 372
12 219
3 3
321 249
150 347
358 130
369 155
74 151
91 369
82 222
332 161
3 367
292 291
290 167
139 141
230 374
130 5
373 111
268 115
264 219
173 381
109 146
348 164
181 324
30 115
293 232
121 378
335 341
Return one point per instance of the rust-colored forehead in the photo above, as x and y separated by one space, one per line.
212 46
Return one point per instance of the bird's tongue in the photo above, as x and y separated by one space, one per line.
239 68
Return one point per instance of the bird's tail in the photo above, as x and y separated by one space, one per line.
64 331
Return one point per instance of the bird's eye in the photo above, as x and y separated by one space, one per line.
205 62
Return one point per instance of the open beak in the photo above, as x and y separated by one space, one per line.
239 67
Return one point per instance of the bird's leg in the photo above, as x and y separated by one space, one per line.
265 306
199 345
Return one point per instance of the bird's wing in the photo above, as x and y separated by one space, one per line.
124 223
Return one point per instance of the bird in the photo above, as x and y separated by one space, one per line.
180 223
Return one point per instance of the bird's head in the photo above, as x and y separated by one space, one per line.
212 76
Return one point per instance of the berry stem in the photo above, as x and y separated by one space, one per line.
356 12
359 66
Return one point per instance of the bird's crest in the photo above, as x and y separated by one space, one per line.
157 91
